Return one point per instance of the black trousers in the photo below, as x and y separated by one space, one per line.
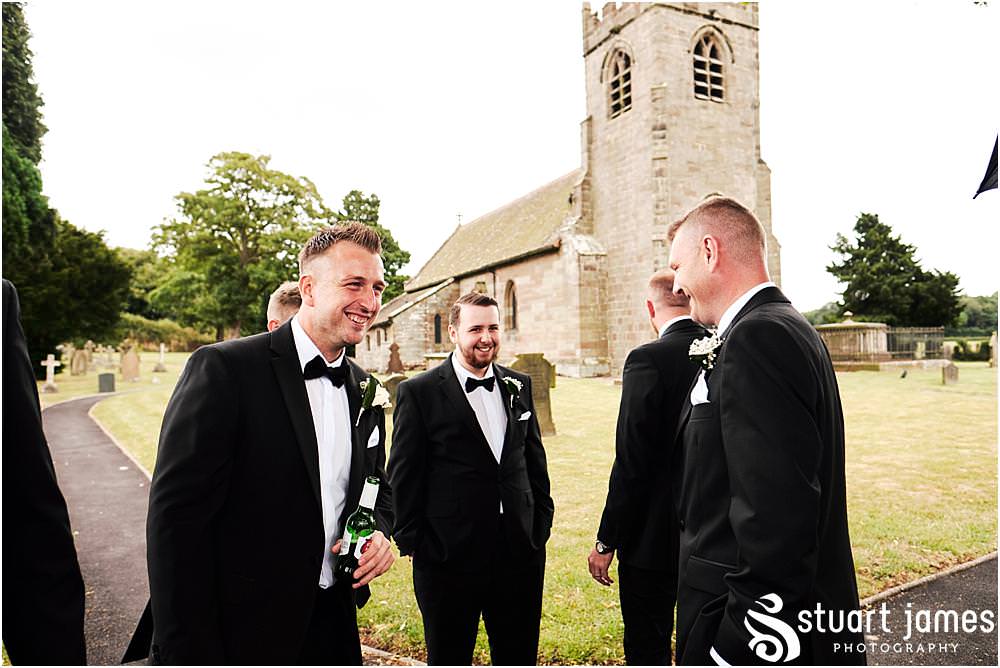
647 598
507 593
332 638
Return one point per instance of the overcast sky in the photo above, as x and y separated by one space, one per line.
447 108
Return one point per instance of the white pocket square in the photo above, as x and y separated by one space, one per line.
524 417
373 439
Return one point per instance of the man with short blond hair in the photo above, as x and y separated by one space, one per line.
263 453
284 303
760 486
638 520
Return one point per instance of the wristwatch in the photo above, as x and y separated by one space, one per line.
602 548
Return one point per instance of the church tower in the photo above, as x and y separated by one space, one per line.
672 117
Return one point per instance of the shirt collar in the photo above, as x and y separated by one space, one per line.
464 373
670 322
306 349
736 306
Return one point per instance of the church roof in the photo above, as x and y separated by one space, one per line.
397 305
524 227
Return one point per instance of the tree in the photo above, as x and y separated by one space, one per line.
27 219
22 114
364 209
147 273
885 282
75 292
825 314
233 243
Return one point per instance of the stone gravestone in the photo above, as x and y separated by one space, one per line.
130 366
78 363
88 348
543 378
993 350
105 382
949 374
391 383
160 366
395 364
50 365
109 362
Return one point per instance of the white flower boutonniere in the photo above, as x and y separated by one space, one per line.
373 394
704 351
513 388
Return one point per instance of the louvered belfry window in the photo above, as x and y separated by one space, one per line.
619 84
708 79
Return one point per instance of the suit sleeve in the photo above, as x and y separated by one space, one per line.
43 596
190 484
773 452
538 473
640 419
408 469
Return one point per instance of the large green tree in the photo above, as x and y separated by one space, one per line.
364 209
233 243
884 281
22 113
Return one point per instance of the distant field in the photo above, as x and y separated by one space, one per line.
922 495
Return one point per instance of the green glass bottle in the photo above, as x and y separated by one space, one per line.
357 532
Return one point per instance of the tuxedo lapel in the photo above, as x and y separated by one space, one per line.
287 370
767 295
508 410
353 385
455 395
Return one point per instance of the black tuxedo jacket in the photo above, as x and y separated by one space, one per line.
447 485
43 598
235 536
639 520
761 495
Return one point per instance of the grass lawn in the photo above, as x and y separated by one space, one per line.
922 486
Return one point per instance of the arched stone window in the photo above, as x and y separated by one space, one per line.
378 338
437 328
368 342
618 75
709 81
510 307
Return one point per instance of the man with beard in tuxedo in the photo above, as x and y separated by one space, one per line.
471 495
760 487
638 520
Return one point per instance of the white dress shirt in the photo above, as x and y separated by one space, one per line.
699 395
488 406
668 323
331 416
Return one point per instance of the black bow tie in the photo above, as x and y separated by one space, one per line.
472 383
317 368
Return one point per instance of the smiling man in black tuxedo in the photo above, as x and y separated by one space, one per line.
638 519
263 453
760 487
471 495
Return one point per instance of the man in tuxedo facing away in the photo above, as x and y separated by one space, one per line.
471 495
639 520
43 599
760 487
263 453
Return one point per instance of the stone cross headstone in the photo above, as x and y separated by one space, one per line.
78 363
543 375
88 347
391 384
50 365
395 364
109 362
130 366
949 374
161 366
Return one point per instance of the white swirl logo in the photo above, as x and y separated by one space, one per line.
784 646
